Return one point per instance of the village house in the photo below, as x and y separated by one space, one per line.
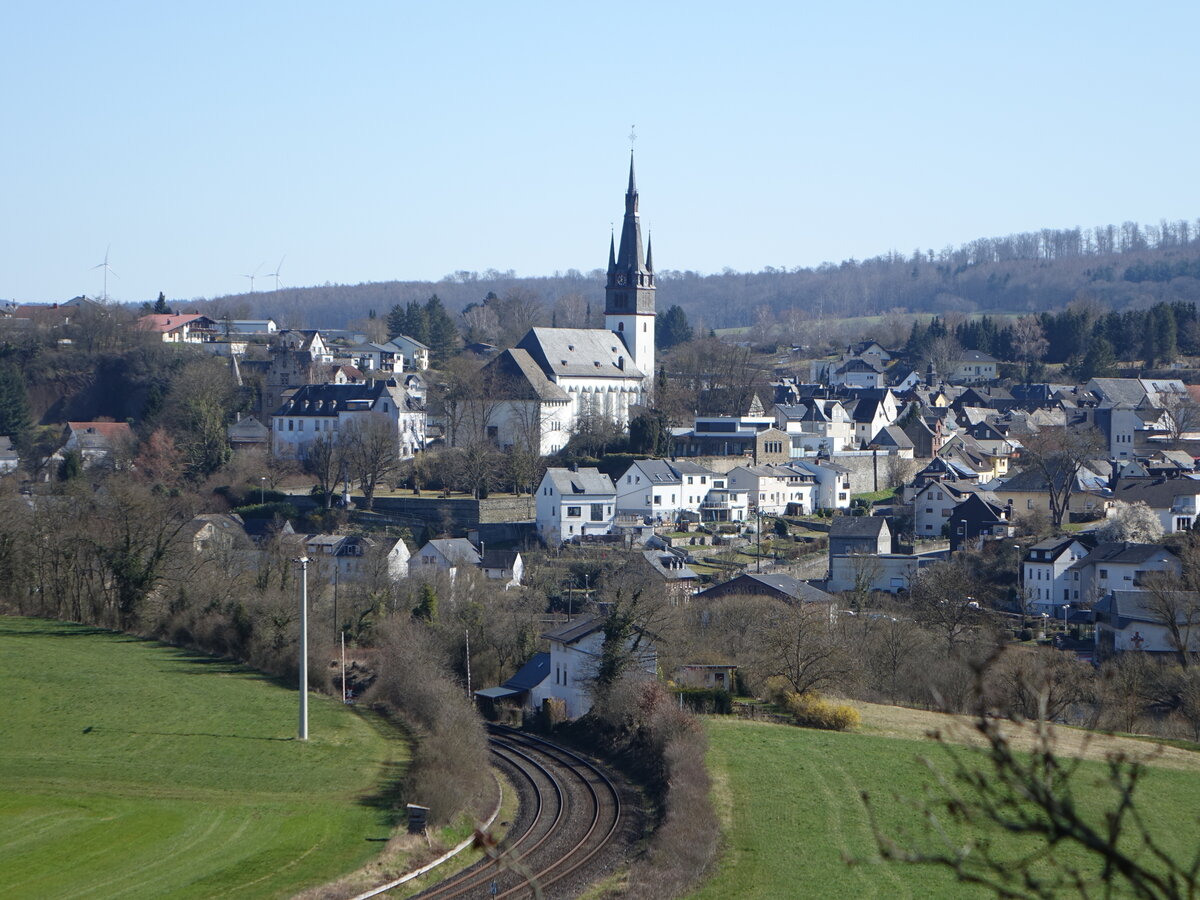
1138 621
775 490
664 490
505 565
1175 501
173 329
1048 583
344 559
1118 567
336 410
972 367
446 555
572 503
575 651
98 443
415 354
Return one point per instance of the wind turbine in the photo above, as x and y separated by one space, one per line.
107 268
252 275
275 274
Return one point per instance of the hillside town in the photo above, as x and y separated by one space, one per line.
749 525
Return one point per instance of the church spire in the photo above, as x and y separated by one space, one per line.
649 254
612 253
632 191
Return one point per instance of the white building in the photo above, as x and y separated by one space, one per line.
832 482
776 490
604 372
575 651
571 504
416 354
1048 582
816 425
344 559
445 555
663 490
1118 567
933 504
332 410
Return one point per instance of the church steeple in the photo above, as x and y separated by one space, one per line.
629 290
630 283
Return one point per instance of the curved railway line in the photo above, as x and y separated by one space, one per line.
573 825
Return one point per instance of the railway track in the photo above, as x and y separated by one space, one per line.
565 835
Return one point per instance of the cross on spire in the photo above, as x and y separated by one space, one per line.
632 136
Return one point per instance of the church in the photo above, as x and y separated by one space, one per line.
554 377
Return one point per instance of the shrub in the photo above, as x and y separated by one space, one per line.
811 711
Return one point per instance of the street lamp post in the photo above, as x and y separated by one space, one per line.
303 730
262 489
1020 593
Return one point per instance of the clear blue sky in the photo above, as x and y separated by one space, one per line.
371 141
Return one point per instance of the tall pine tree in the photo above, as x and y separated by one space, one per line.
14 402
443 336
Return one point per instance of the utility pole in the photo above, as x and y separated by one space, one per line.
344 700
303 731
467 632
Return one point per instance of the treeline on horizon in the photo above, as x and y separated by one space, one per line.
1119 267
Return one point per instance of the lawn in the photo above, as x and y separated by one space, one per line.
789 800
132 769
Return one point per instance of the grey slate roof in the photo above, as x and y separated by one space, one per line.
587 352
575 631
523 379
456 550
1136 606
585 481
857 526
757 583
1159 493
531 674
1123 552
329 399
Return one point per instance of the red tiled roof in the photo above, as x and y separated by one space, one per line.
163 323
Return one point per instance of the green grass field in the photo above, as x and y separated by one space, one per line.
132 769
789 800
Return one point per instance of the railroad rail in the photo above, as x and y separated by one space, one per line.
570 811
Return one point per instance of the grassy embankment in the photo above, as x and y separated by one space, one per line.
132 769
789 800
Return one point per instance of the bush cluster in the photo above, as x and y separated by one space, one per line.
450 767
639 724
812 711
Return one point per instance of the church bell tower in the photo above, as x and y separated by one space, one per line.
629 291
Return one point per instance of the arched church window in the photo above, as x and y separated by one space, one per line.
620 326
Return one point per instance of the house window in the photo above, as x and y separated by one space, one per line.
1104 573
657 499
300 425
597 512
291 424
574 512
279 425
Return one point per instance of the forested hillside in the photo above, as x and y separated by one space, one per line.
1130 265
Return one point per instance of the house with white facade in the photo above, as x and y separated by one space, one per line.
575 651
505 565
445 555
416 354
332 410
934 503
1119 567
572 503
309 341
173 329
1175 501
832 482
816 425
972 367
349 558
662 490
1138 621
1048 583
776 490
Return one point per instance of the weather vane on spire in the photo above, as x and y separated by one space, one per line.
632 136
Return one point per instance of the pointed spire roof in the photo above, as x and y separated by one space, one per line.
649 254
632 181
629 254
612 253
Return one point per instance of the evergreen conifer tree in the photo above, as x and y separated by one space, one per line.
14 402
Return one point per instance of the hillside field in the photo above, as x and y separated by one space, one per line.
133 769
789 801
